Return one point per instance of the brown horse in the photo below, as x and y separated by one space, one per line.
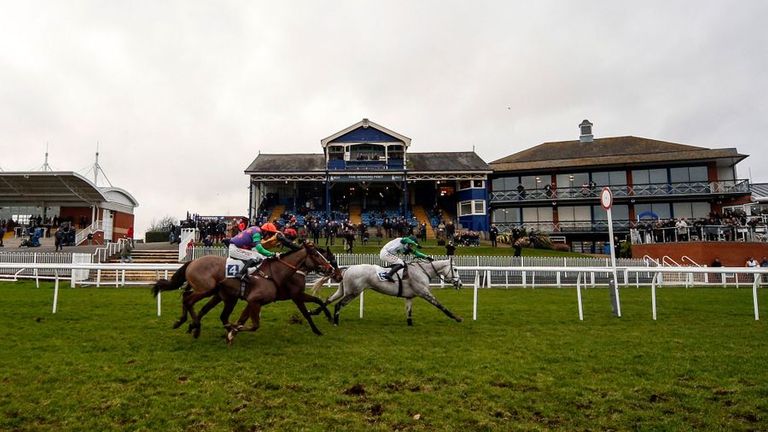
205 277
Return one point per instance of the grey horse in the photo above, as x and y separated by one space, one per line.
358 277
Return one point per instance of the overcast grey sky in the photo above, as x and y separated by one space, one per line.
182 95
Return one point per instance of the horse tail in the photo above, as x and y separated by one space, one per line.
318 284
177 280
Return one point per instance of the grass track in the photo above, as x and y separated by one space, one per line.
106 362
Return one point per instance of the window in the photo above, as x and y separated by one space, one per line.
471 184
691 210
474 207
618 212
688 174
505 183
658 210
649 176
506 215
577 213
537 214
610 178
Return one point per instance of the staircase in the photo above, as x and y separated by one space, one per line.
355 214
276 212
170 256
421 215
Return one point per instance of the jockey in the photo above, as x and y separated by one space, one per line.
247 246
401 245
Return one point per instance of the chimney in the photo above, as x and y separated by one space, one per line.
586 131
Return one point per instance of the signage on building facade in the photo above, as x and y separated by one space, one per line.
366 178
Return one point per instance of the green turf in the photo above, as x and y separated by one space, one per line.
106 362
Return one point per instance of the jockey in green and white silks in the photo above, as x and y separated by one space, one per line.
391 251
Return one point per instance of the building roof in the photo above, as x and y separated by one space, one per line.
287 163
417 162
759 192
365 124
62 188
614 151
446 161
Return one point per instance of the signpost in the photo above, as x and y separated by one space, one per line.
606 201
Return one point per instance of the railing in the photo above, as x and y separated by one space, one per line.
619 225
82 235
619 191
651 234
103 253
580 273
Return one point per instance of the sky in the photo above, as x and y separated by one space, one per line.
181 96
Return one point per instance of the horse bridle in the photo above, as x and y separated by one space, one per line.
454 280
327 267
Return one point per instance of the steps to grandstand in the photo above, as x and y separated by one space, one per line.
355 214
423 218
159 256
276 213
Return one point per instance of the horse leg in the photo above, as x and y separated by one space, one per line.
189 302
335 296
208 306
343 302
299 302
251 310
426 295
229 306
312 299
183 317
409 311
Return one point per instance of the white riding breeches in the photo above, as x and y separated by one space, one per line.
391 259
244 254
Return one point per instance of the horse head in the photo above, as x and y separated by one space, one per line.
317 261
449 271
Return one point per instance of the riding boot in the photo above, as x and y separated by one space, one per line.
392 271
243 275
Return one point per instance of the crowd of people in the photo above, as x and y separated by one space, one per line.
61 228
715 227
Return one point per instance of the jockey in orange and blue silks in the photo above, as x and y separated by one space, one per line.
247 247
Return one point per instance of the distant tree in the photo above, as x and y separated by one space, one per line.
163 223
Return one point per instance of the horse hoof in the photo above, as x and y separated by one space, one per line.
177 324
459 319
410 323
230 337
196 333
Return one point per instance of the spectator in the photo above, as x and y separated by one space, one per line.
716 263
59 239
125 252
763 263
2 233
129 234
450 249
493 233
751 262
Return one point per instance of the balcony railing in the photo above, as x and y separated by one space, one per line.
567 227
621 191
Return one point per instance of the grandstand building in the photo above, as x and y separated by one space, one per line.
46 198
554 187
366 172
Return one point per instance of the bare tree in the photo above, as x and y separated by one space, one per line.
162 224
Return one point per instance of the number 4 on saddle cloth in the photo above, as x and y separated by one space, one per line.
234 266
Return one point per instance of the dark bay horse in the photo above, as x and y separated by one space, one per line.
205 277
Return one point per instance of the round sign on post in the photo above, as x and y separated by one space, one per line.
606 198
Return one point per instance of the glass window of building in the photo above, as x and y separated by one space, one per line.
537 214
691 210
505 183
658 176
619 212
506 215
531 182
661 210
698 174
640 177
574 213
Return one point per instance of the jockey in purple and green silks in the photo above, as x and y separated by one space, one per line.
247 247
401 245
